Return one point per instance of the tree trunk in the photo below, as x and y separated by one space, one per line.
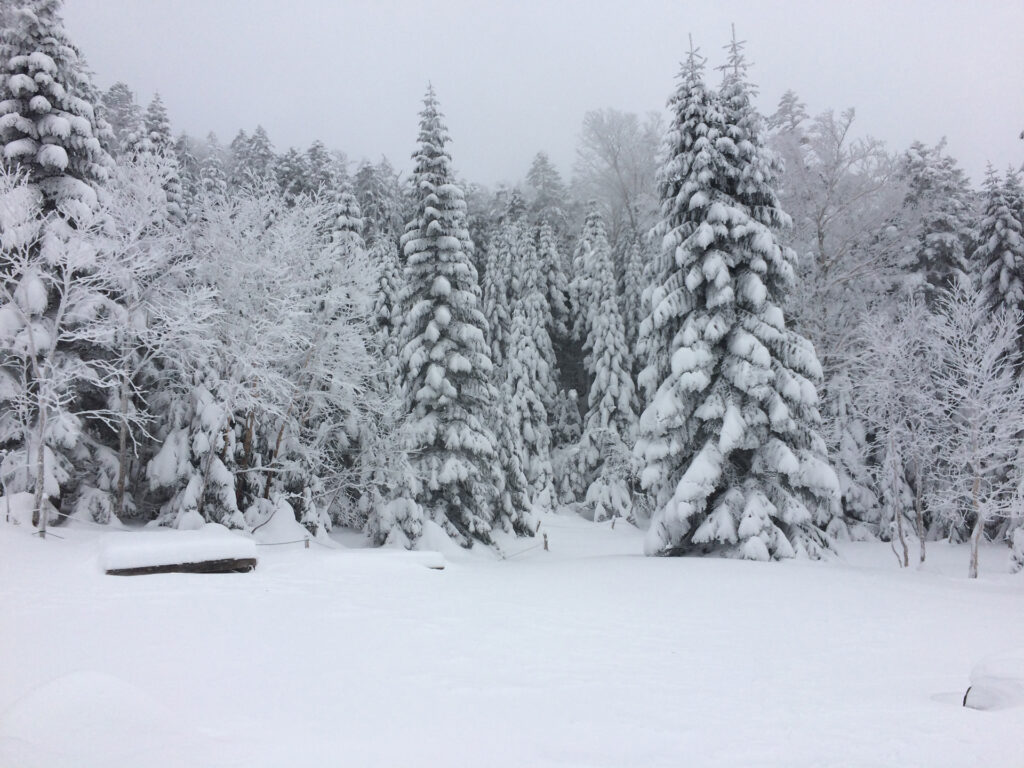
896 511
41 514
918 507
979 526
247 449
122 449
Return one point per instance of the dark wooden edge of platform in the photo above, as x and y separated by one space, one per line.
233 565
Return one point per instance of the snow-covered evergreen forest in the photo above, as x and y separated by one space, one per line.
704 449
749 335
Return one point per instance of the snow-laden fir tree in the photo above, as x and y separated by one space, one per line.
380 197
549 199
213 182
56 333
592 249
155 139
527 382
292 173
566 428
123 114
387 314
496 289
1000 252
515 511
529 288
608 429
631 296
328 171
49 128
939 196
556 283
186 151
158 125
252 158
728 441
446 365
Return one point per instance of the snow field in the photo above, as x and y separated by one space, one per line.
587 655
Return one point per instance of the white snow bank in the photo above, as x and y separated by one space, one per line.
86 719
17 507
997 681
171 547
277 524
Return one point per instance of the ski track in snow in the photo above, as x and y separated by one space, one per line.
589 655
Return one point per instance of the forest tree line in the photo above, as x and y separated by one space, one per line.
751 336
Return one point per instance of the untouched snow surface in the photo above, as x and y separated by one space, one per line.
589 655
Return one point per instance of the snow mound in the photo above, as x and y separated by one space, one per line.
279 524
17 508
171 547
997 681
87 719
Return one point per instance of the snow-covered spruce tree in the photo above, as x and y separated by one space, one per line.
631 303
155 139
328 172
387 313
566 428
529 288
728 440
48 128
123 114
446 365
252 159
57 294
515 512
526 378
496 289
548 198
213 182
608 429
939 197
1000 252
556 283
292 173
185 151
380 197
346 225
592 249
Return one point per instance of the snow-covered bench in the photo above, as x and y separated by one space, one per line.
210 549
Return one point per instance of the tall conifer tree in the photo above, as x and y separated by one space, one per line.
446 365
728 440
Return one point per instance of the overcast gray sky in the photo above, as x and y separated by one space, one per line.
516 77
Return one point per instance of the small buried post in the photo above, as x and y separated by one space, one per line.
546 542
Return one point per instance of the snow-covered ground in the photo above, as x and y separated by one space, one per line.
588 655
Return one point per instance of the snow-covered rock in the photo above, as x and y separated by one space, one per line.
997 681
